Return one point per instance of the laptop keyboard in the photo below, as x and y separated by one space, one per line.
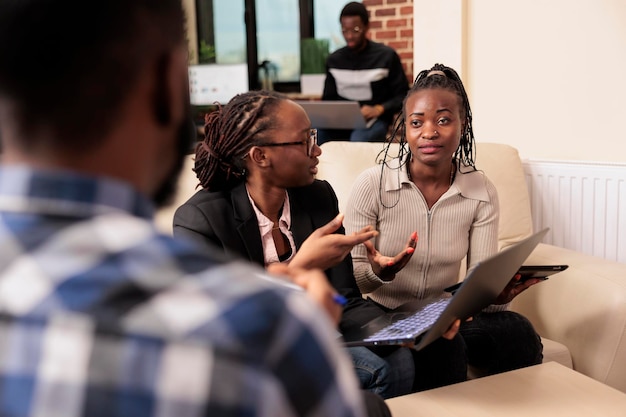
413 325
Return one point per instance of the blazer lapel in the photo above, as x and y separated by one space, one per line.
301 222
247 224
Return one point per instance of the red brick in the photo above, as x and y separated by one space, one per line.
386 34
406 33
385 12
382 14
398 44
395 23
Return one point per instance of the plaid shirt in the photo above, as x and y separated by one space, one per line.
102 316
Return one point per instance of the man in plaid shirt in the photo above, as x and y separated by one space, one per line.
99 314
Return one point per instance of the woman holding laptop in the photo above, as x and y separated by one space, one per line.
433 194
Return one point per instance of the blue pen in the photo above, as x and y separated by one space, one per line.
340 299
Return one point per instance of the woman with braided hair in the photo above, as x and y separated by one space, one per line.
260 201
433 190
261 146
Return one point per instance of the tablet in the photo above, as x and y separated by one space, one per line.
539 271
526 272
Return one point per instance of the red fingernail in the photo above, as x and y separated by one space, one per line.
410 250
390 263
414 236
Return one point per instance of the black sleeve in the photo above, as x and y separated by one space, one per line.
330 86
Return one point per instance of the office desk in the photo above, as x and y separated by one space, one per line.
549 389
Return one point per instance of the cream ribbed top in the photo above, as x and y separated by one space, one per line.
463 222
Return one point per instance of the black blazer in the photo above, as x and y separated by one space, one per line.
227 220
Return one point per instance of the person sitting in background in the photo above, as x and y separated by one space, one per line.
260 201
364 71
100 314
433 188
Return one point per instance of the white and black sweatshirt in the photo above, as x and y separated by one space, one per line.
371 76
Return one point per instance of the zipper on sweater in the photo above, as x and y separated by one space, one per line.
422 288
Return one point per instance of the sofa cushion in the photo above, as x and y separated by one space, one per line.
503 166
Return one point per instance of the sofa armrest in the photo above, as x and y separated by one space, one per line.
583 308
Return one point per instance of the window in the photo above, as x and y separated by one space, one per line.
221 32
278 39
265 34
326 17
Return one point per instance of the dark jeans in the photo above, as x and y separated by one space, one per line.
387 371
500 342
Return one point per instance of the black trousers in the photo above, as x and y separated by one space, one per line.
500 342
491 342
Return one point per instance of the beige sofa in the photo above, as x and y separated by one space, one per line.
580 313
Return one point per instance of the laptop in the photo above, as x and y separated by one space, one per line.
339 114
419 323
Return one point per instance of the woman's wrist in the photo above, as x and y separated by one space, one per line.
380 108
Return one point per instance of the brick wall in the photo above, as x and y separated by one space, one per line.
391 23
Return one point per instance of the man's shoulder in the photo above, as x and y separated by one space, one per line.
148 336
339 56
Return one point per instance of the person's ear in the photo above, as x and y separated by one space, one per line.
257 156
170 87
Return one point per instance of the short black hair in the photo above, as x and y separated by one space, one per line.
355 8
67 66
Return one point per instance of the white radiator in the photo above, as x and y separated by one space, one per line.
584 204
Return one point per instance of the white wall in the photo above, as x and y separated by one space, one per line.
548 77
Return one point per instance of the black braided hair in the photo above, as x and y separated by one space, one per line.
229 133
450 81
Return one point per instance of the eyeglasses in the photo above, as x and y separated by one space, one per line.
355 30
310 142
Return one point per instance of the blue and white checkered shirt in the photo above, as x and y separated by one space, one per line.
102 316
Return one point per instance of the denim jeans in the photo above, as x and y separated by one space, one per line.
389 372
500 342
375 133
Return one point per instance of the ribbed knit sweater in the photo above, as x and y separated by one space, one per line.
463 222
